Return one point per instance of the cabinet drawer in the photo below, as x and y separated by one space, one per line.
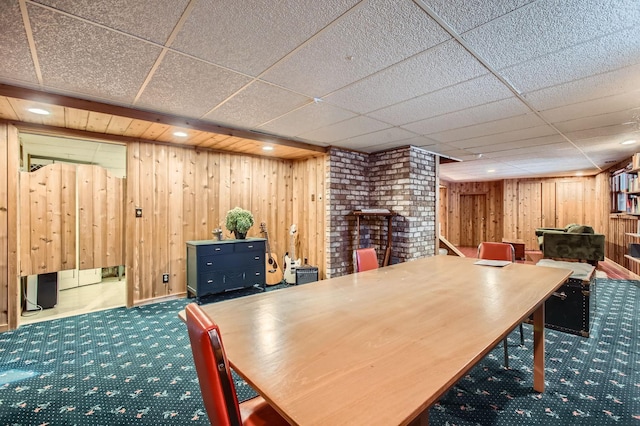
214 262
252 246
215 249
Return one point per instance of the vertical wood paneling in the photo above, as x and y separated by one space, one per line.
85 217
5 275
570 202
308 210
160 220
13 223
100 218
442 211
48 240
458 214
69 220
133 230
529 217
177 264
185 194
549 203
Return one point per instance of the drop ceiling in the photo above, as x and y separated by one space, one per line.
522 88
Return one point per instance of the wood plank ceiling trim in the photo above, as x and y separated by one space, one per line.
128 123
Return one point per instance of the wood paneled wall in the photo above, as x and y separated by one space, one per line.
550 203
9 244
49 215
48 219
308 210
516 207
100 218
457 217
184 194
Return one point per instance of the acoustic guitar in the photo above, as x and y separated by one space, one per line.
274 273
290 262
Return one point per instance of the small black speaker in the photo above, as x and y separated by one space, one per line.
306 274
634 250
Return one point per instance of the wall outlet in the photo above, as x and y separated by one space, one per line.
138 212
165 278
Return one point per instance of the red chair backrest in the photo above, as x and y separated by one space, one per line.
212 367
496 251
366 259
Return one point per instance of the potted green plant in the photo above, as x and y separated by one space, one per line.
239 221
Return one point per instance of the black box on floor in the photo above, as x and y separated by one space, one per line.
48 290
571 307
306 274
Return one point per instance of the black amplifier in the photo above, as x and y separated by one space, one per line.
306 274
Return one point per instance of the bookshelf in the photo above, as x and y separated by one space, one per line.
625 188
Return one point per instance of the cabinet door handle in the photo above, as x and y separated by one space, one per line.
250 246
257 274
209 281
257 258
209 263
217 249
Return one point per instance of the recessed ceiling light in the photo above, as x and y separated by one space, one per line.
628 142
267 148
491 171
39 111
180 134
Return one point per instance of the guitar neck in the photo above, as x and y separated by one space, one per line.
292 248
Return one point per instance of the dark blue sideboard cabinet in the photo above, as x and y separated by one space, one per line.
219 266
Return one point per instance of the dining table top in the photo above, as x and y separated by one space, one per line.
381 346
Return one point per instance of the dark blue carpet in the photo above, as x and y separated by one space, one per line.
134 366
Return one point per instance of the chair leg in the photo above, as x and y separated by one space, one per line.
521 336
506 353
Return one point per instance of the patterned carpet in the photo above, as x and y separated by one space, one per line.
134 366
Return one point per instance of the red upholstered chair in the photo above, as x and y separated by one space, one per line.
366 259
216 382
500 251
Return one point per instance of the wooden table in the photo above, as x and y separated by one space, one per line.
380 347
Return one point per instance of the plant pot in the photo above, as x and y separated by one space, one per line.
240 235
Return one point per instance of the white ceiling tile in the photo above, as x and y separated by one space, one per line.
621 49
548 26
596 121
490 128
514 137
251 36
535 150
189 87
444 65
471 93
589 88
470 116
608 104
161 16
345 129
14 47
621 132
371 141
308 118
463 15
347 51
67 53
256 104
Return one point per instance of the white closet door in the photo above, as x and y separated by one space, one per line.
67 279
89 276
